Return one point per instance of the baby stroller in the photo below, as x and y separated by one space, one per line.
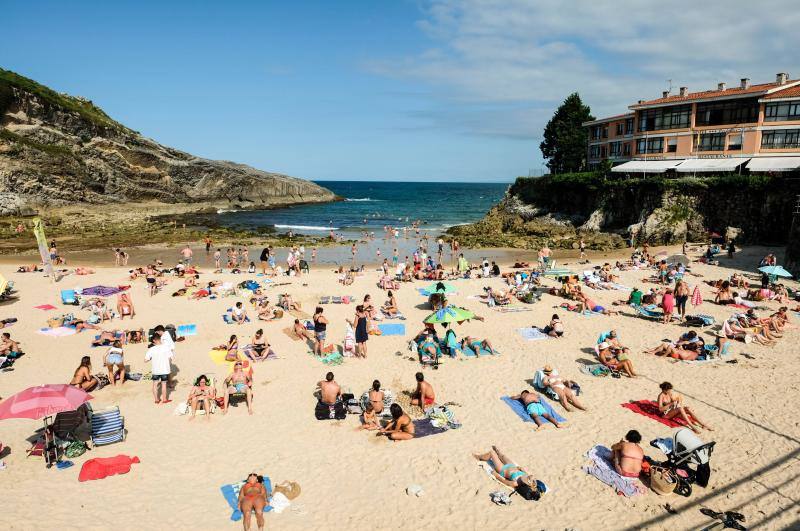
687 456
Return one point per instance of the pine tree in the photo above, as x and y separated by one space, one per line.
564 144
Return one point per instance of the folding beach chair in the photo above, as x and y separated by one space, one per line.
107 425
68 296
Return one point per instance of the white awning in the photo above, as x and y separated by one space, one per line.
774 164
646 166
693 165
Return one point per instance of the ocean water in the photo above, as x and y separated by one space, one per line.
369 206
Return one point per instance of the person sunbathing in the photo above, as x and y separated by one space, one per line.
673 351
190 281
232 348
724 295
555 328
562 388
253 497
100 309
301 332
79 325
106 337
400 428
476 345
125 306
115 364
265 311
33 268
83 379
376 397
201 394
615 359
135 336
734 329
239 314
535 408
330 392
238 382
627 455
587 304
390 306
428 347
84 271
423 396
7 345
508 473
670 404
259 345
287 303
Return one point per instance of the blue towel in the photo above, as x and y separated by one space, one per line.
522 413
392 329
231 494
468 352
532 334
186 330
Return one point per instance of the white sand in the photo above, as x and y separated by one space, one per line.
353 480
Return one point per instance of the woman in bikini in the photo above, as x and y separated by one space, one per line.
476 345
376 397
390 307
505 471
201 393
232 347
259 345
83 379
253 497
400 428
238 382
627 455
670 404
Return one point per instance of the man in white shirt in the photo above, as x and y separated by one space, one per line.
159 355
401 267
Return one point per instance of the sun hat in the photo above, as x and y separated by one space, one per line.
547 369
604 345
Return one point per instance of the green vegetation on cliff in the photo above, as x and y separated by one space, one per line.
86 109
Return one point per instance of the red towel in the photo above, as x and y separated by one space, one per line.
101 467
740 306
648 408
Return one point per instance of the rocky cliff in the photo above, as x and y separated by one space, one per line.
58 150
605 210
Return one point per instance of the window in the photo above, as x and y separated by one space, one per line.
780 112
650 145
629 126
780 139
620 127
672 145
615 149
596 132
735 142
743 111
594 152
710 142
605 131
626 149
674 117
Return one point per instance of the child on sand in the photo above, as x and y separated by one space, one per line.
370 418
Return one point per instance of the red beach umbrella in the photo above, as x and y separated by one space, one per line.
43 401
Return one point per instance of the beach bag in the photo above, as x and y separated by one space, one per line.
75 449
663 481
55 322
290 489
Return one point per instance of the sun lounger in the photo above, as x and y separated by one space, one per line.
646 313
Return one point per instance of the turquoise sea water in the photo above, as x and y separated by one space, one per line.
369 206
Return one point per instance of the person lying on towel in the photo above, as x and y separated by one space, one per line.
535 408
505 471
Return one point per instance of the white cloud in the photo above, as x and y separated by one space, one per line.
500 67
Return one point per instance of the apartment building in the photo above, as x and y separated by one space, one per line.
753 127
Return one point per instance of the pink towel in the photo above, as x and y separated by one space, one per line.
45 307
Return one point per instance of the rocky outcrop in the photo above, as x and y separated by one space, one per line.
606 211
58 150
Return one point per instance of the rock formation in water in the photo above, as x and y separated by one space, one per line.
58 150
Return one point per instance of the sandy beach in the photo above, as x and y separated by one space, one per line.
350 478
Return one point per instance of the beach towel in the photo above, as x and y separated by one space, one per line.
231 494
333 358
248 351
398 315
648 408
102 467
603 469
290 333
513 308
595 369
60 331
103 291
392 329
424 427
532 334
186 330
517 407
228 318
45 307
300 314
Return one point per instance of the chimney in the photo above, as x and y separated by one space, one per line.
641 101
721 86
745 83
782 78
684 91
665 94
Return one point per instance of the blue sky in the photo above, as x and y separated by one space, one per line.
393 90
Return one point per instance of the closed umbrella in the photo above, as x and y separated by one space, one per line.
775 271
697 297
43 401
449 314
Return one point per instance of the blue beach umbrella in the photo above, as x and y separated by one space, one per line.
775 271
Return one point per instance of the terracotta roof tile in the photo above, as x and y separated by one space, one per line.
752 89
791 92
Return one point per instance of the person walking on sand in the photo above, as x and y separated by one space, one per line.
353 251
159 356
